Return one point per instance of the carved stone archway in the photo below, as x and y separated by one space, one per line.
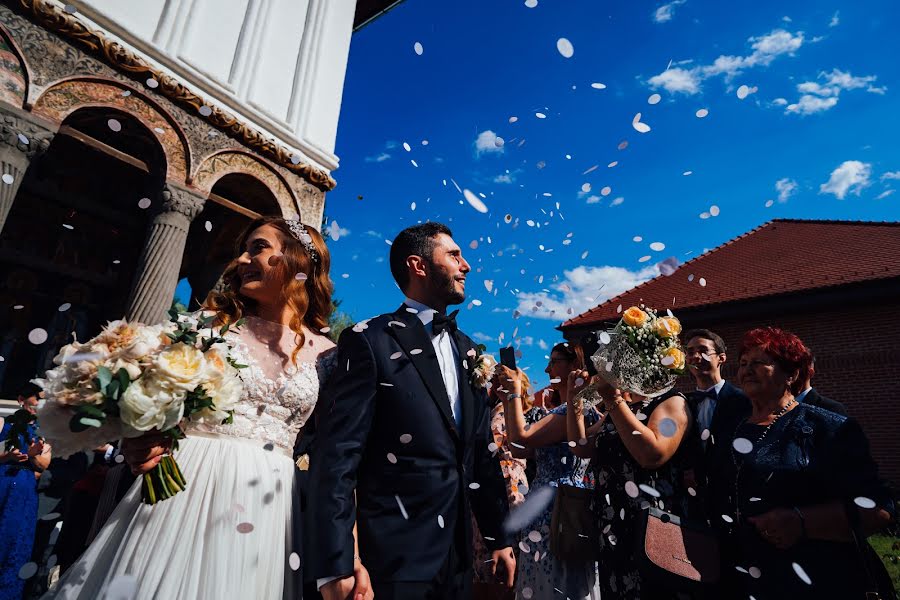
65 97
13 72
224 163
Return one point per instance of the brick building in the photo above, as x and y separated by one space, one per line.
836 284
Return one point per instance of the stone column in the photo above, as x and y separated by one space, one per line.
160 262
21 141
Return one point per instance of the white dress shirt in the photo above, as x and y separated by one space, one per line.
448 359
447 355
708 406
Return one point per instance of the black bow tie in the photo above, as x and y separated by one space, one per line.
699 396
442 323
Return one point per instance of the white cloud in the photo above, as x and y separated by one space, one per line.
852 176
786 188
487 142
374 234
593 199
819 97
580 289
542 345
766 48
835 19
677 80
482 337
884 194
504 178
779 102
665 12
891 175
378 158
808 105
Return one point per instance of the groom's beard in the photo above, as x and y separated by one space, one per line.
443 286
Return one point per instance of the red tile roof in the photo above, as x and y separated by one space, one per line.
778 257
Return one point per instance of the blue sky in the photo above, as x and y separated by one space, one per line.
815 136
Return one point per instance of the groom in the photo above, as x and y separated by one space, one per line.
403 427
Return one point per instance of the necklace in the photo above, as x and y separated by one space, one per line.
739 465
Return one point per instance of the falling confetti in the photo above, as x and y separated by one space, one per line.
152 83
702 113
64 307
743 92
144 203
8 179
650 491
668 428
631 489
245 527
531 3
536 502
28 570
114 125
565 47
638 125
657 246
474 201
801 574
742 445
405 438
714 210
540 115
702 282
205 110
598 86
864 502
418 48
440 521
654 99
37 336
402 508
207 226
474 485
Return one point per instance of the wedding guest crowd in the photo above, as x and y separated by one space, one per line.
766 488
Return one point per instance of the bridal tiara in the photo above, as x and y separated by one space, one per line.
298 230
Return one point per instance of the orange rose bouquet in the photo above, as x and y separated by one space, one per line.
642 353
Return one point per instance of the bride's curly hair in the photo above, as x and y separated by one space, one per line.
310 299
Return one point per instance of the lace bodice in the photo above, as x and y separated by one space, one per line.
279 395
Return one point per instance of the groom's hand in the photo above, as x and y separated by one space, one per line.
505 557
353 587
338 589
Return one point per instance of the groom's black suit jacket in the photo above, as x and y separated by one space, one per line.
371 401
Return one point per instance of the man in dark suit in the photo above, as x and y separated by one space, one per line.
402 448
714 398
813 398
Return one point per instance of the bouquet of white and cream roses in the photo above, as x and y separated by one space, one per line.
641 354
134 378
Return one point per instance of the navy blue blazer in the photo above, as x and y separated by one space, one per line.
413 497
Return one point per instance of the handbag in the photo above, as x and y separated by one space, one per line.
676 554
573 527
878 582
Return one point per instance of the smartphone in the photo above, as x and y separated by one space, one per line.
508 357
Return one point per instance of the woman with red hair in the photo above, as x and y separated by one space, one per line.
793 488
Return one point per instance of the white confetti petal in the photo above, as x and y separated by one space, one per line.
654 99
440 521
418 48
565 47
864 502
37 336
114 125
702 113
631 489
743 92
28 570
657 246
405 438
598 86
801 574
294 561
474 201
742 445
8 179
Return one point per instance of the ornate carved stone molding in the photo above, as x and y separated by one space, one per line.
63 98
181 200
23 135
51 17
218 165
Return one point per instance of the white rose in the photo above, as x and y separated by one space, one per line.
225 393
180 366
145 405
144 341
215 365
133 369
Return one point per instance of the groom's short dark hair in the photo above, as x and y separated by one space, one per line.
417 240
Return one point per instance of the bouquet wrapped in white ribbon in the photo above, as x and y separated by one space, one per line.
134 378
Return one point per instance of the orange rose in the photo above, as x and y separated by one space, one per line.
667 327
634 317
673 358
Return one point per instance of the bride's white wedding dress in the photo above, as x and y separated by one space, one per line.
231 533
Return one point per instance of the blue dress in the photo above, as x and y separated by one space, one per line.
18 518
538 570
809 456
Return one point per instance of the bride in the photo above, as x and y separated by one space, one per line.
233 533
